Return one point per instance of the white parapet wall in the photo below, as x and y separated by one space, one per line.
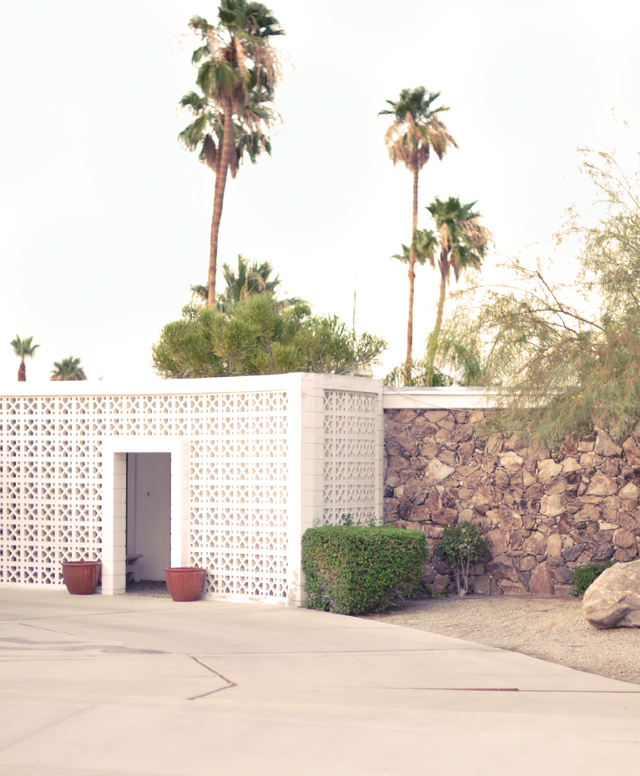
255 461
443 398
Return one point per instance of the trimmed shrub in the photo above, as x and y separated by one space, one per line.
583 576
354 570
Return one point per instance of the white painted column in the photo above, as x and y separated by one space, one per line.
180 535
114 522
379 453
294 493
306 419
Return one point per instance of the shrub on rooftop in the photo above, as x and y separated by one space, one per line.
354 569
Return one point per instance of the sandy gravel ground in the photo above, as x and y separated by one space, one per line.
150 589
546 628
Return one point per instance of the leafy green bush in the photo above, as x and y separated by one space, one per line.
462 545
584 576
258 336
353 570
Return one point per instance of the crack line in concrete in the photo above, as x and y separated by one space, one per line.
355 651
43 727
68 616
119 644
230 684
513 689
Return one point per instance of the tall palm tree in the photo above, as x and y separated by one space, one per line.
23 348
415 131
237 73
463 244
67 369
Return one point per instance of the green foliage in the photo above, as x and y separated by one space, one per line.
416 128
583 576
458 352
260 336
560 338
463 245
460 546
67 369
419 375
424 246
23 348
353 570
459 359
249 279
415 131
237 71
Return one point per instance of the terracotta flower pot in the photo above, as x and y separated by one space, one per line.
81 576
186 583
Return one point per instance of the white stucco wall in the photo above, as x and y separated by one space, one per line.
254 462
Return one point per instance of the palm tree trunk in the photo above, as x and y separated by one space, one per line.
218 200
412 275
433 339
22 372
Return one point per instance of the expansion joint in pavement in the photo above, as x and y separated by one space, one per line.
230 684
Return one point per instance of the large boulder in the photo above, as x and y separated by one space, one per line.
613 600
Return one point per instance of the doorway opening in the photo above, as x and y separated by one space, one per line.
148 521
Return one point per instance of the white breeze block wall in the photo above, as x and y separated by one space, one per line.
254 462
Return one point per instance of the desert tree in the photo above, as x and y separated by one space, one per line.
563 331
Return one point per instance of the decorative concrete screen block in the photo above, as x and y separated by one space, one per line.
238 495
351 476
246 474
50 494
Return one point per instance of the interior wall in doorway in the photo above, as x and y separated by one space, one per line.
149 512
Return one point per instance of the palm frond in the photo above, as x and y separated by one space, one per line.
416 129
23 348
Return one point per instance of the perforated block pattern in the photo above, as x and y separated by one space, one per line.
349 457
51 482
238 494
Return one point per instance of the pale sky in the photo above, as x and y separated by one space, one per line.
104 217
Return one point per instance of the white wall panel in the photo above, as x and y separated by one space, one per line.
255 461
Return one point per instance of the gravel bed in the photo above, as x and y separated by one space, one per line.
149 589
549 629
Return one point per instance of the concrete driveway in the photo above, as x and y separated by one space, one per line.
131 685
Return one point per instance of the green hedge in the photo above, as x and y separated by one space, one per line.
353 570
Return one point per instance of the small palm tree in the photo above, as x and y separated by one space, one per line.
416 130
463 244
424 246
67 369
250 279
23 348
237 73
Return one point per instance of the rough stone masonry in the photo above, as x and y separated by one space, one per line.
545 512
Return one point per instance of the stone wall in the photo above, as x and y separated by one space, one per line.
545 512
